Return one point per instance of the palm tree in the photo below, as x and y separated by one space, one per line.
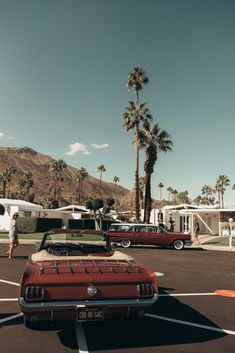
175 193
3 180
207 192
9 171
136 113
29 182
221 182
169 193
57 168
116 180
80 176
5 177
154 140
101 169
161 186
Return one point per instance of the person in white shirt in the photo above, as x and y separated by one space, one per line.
13 235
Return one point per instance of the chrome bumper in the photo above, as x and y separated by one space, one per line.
71 305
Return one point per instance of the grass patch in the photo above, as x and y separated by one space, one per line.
39 236
220 241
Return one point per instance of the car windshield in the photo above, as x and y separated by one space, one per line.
120 227
73 237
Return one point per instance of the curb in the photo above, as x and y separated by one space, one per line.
201 246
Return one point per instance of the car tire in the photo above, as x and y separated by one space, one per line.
125 243
178 244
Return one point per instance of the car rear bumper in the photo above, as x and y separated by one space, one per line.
71 305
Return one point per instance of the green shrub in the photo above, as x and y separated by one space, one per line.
27 225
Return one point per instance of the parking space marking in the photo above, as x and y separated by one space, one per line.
11 318
81 339
225 293
8 282
185 294
194 324
9 300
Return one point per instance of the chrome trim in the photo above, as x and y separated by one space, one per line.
70 304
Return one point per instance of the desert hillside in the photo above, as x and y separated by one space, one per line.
26 159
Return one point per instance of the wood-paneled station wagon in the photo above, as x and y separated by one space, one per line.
127 234
71 278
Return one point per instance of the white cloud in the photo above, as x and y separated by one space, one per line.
1 135
77 147
104 145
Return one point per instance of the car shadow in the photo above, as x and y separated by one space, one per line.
152 332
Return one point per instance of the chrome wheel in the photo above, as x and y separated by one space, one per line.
125 243
178 244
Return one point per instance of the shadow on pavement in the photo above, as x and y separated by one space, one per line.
16 321
146 332
151 332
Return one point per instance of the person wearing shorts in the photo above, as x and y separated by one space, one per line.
13 235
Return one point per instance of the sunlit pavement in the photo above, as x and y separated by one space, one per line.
191 315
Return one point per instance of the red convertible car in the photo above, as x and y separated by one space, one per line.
127 234
70 278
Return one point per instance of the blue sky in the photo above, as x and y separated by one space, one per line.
63 68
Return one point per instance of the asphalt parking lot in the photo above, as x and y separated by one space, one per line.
188 317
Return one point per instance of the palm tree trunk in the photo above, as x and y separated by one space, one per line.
222 199
148 201
137 199
4 189
100 177
9 189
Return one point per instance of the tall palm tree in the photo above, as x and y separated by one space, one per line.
5 177
3 180
221 182
116 180
207 192
175 193
132 118
169 193
161 186
57 169
154 140
9 171
80 176
101 169
29 182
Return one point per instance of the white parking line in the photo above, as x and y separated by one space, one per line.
9 300
8 282
81 339
188 323
10 318
185 294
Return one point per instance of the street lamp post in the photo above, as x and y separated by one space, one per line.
230 237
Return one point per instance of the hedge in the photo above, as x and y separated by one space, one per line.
33 225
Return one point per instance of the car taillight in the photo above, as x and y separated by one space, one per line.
34 293
145 290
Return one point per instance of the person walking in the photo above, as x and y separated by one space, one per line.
13 235
196 231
